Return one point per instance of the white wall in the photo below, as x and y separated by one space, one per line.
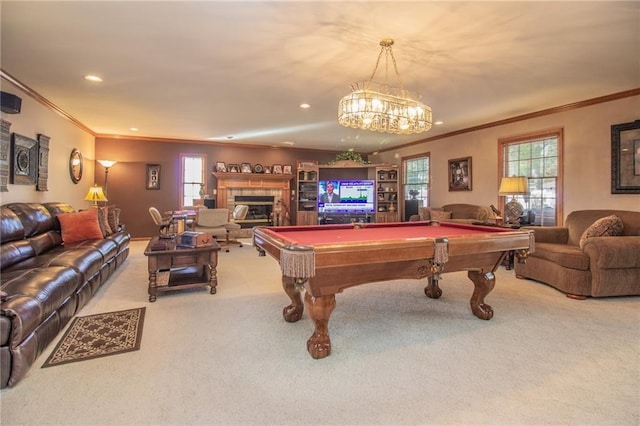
36 118
587 157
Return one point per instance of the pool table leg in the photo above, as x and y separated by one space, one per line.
292 312
320 308
432 290
483 283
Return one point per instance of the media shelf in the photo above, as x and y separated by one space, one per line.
307 195
386 192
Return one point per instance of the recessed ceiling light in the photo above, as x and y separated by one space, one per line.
438 123
134 129
290 143
305 106
93 78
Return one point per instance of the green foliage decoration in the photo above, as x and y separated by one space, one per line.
350 156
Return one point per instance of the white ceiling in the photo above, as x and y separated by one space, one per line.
200 69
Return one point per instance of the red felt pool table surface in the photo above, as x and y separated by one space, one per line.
331 234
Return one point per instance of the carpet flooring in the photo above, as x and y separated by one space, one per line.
99 335
398 357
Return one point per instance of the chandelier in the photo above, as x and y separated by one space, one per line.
382 108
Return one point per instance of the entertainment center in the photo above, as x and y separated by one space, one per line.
346 192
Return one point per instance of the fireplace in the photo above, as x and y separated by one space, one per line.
260 210
277 187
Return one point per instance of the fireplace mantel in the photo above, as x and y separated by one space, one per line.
278 185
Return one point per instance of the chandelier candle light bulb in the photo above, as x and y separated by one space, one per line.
382 108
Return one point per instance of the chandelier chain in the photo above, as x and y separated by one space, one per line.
387 52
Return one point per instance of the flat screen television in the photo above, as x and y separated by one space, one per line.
346 196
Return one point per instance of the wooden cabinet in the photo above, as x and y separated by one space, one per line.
307 195
387 194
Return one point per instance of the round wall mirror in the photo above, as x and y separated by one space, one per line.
75 166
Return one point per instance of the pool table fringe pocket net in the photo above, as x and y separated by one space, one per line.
298 261
441 251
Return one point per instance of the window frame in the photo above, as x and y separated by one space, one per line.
181 192
403 181
557 133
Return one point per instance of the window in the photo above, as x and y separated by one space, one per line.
193 178
415 180
538 157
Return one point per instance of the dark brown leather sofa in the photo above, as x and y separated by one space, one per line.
43 282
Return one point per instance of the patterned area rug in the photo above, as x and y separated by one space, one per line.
95 336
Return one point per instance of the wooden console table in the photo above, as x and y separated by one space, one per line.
174 268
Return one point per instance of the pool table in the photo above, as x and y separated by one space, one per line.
324 260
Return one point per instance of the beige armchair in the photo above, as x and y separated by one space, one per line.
216 223
164 223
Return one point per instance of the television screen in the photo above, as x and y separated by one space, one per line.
346 196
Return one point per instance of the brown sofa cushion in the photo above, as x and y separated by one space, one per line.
103 221
440 215
608 226
564 255
80 226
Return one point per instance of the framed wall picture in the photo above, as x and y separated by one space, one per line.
24 160
153 176
286 169
221 167
233 168
245 168
460 174
277 169
625 158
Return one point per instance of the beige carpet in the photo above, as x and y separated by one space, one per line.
398 357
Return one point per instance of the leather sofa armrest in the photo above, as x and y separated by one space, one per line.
549 234
613 252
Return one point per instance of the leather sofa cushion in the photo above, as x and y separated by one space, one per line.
121 239
56 208
106 246
564 255
33 295
35 218
15 252
85 260
44 242
11 228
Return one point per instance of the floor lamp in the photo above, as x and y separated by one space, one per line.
106 164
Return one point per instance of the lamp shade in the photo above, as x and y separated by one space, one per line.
95 194
514 185
107 163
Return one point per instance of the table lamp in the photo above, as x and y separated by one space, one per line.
95 194
514 185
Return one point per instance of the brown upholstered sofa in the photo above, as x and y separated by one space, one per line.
605 266
44 282
465 213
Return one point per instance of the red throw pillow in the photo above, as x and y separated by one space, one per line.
80 226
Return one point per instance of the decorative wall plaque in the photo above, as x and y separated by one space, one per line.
43 162
24 160
5 143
